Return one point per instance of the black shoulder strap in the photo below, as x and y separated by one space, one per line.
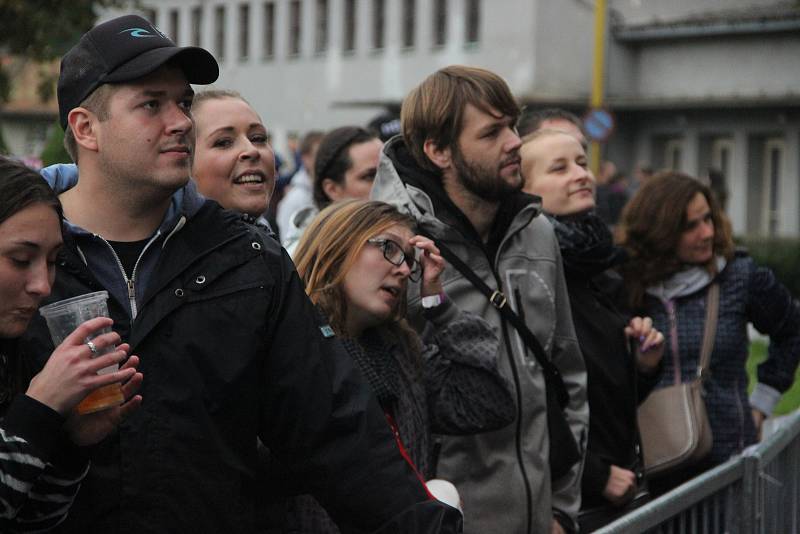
500 302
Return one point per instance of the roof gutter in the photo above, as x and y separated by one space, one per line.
634 34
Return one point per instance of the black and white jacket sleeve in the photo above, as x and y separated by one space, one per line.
40 470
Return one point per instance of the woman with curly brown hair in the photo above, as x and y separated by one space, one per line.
679 243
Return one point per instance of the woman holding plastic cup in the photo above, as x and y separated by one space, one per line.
39 431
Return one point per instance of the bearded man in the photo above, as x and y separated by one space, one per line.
456 169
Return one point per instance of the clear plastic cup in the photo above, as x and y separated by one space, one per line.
63 317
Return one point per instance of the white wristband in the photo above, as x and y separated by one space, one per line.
431 301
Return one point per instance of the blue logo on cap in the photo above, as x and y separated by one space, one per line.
138 32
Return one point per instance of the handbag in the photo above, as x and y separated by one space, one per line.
564 452
673 422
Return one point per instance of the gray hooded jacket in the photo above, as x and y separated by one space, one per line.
503 476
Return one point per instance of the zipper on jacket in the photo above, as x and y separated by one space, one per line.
518 432
517 383
130 282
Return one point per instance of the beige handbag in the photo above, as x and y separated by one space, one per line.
673 422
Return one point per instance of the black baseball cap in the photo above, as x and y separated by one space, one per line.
121 50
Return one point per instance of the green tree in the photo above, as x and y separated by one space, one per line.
42 30
54 151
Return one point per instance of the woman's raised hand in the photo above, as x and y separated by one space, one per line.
432 265
650 346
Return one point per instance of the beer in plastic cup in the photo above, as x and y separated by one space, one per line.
63 317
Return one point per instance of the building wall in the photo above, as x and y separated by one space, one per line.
749 135
563 49
331 88
543 48
734 66
638 12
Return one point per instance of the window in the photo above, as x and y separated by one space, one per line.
244 31
673 154
174 24
268 46
349 41
378 14
721 150
197 25
294 27
439 22
151 15
35 139
219 32
771 186
473 20
409 16
321 43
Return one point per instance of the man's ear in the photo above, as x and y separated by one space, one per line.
82 121
332 189
441 157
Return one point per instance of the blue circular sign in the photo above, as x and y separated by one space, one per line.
599 124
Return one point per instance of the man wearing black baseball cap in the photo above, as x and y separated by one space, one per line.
230 346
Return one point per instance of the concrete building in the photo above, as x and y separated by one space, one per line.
709 83
692 83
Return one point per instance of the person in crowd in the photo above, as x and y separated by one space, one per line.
553 119
344 168
679 243
40 462
346 164
233 162
229 341
357 260
456 170
299 194
386 125
555 168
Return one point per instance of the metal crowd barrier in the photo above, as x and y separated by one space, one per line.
757 492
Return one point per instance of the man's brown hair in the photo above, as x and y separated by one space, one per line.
435 108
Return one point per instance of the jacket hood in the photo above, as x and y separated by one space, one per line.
186 201
399 171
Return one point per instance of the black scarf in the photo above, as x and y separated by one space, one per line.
587 247
373 353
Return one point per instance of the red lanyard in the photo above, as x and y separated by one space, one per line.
404 451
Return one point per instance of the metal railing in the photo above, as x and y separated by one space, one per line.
757 492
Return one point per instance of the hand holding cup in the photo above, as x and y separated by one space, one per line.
70 373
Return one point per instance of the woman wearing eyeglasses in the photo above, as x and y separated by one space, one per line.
356 259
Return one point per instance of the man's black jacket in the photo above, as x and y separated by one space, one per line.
231 349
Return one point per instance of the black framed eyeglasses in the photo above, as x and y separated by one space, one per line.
395 255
